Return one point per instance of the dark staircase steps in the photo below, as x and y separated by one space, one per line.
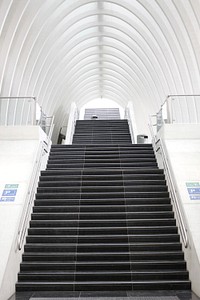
103 285
103 247
104 265
102 208
102 223
101 183
104 172
99 256
111 132
108 275
98 179
103 230
102 218
106 165
101 189
103 195
102 202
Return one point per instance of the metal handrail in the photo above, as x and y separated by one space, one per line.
129 116
171 110
33 116
51 128
73 117
179 95
172 190
23 225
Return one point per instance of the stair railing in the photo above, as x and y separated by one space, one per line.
47 126
23 224
17 111
180 108
180 216
73 116
129 115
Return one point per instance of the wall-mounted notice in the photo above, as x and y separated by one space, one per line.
9 192
193 188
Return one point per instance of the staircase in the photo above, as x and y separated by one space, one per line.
101 132
102 113
102 219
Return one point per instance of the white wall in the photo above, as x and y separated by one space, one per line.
182 145
18 149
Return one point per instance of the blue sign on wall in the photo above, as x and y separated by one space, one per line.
9 192
193 189
7 199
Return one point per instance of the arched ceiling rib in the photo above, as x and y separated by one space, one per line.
73 50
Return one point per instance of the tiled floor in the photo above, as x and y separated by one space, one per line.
118 295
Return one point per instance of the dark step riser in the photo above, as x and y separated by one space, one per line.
92 184
85 209
95 161
101 267
102 231
112 223
67 257
100 216
122 276
86 179
75 165
104 172
85 248
105 286
108 195
102 189
102 202
104 239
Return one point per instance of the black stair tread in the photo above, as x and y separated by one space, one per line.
106 156
116 247
59 189
147 194
141 213
101 146
102 179
93 182
113 222
107 228
99 160
104 171
117 244
104 282
109 235
104 253
121 231
116 200
96 206
62 272
110 262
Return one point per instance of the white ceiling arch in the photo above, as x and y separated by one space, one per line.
75 50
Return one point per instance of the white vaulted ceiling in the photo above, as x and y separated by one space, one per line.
77 50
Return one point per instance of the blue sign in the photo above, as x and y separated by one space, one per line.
9 192
7 199
11 186
193 190
197 197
